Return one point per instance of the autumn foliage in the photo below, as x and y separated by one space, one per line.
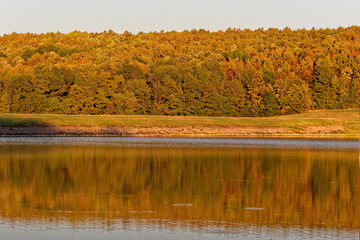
231 73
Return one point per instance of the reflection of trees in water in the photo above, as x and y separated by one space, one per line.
273 187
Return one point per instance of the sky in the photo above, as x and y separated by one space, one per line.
40 16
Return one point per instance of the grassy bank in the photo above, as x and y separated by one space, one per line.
327 123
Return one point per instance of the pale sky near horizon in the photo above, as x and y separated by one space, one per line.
39 16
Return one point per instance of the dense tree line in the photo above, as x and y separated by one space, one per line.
231 73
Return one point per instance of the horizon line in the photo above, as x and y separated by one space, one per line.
188 30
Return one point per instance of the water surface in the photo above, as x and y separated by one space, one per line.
160 188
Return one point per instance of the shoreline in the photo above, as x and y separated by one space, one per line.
314 124
168 132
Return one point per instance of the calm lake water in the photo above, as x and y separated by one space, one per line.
162 188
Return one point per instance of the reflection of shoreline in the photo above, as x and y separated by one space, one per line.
164 142
81 184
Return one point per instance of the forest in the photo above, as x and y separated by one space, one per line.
190 73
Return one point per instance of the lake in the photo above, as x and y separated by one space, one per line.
178 188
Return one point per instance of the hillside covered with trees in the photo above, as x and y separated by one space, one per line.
231 73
